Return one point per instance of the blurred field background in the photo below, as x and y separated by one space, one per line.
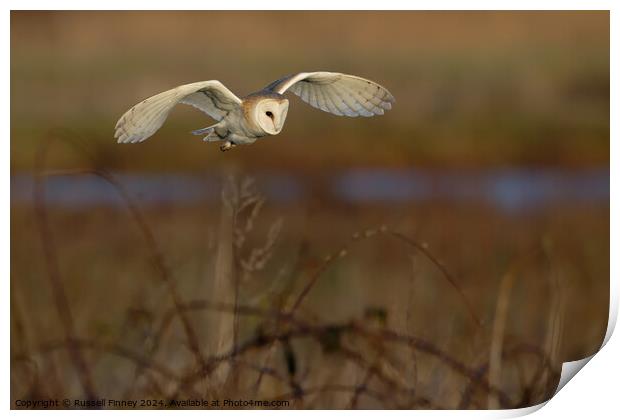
451 253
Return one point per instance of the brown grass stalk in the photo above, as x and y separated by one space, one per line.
497 340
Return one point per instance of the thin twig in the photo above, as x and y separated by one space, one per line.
343 251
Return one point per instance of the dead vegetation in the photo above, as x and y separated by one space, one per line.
250 335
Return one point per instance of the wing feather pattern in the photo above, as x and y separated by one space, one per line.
337 93
145 118
331 104
323 100
313 99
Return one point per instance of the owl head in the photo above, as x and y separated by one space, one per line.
270 113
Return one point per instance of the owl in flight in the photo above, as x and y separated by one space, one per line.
243 120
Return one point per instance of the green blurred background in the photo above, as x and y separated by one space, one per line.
473 89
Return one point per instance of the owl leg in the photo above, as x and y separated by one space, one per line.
206 130
211 135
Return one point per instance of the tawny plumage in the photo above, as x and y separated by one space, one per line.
243 121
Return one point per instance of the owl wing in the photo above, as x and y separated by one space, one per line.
145 118
337 93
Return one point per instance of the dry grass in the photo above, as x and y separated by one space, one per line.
253 330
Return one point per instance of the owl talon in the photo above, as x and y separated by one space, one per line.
227 146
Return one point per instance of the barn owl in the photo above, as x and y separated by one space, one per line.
260 114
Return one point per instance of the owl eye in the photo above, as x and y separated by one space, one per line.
269 114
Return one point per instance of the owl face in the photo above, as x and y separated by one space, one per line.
270 114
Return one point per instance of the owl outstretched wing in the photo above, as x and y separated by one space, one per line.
145 118
337 93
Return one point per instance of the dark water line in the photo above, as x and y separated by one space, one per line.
514 189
